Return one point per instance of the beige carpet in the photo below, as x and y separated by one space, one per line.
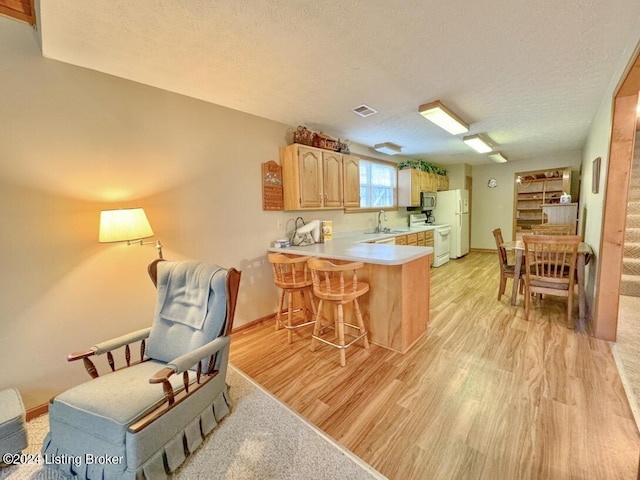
626 350
261 439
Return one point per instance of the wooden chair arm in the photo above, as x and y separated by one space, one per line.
88 364
161 375
109 346
72 357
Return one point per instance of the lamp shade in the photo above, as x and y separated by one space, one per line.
123 225
439 114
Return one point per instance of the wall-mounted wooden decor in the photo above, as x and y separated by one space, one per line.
272 194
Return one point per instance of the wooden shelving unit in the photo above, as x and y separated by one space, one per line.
535 189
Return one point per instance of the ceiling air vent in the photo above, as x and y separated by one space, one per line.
364 111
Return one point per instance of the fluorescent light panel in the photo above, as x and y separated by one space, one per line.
478 143
497 157
437 113
388 148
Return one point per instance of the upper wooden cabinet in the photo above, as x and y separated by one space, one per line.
411 182
314 178
351 174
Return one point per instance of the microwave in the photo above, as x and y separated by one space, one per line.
427 200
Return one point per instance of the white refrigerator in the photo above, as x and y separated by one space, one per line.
452 207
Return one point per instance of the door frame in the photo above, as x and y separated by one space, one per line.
623 133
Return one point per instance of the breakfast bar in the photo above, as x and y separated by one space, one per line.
396 309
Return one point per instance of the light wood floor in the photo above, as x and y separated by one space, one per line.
483 395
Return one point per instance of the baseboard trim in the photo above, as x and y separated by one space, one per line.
36 411
483 250
266 318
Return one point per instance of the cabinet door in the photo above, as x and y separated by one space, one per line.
401 240
332 179
310 177
351 175
428 239
430 182
443 182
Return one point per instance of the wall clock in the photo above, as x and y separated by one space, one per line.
492 183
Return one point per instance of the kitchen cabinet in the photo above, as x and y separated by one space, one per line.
428 238
332 178
535 189
428 242
401 240
409 187
314 178
351 173
411 182
443 182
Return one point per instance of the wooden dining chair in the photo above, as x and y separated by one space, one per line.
553 229
550 268
506 269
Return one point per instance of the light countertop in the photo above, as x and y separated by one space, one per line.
354 247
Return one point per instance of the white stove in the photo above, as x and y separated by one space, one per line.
441 237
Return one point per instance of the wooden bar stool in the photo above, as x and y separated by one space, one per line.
338 284
291 274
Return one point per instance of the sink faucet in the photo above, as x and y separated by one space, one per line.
379 227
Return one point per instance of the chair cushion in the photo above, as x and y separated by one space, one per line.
12 431
107 405
170 339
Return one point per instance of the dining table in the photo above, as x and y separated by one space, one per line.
584 256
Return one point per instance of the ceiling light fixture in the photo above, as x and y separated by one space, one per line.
388 148
498 157
479 143
437 113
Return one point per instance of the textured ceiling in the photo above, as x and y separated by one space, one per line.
530 75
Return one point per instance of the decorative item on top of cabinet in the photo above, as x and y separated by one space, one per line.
535 189
272 196
314 178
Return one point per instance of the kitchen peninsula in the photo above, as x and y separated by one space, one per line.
396 309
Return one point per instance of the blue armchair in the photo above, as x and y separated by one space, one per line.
143 419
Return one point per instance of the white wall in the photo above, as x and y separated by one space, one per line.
493 207
75 141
